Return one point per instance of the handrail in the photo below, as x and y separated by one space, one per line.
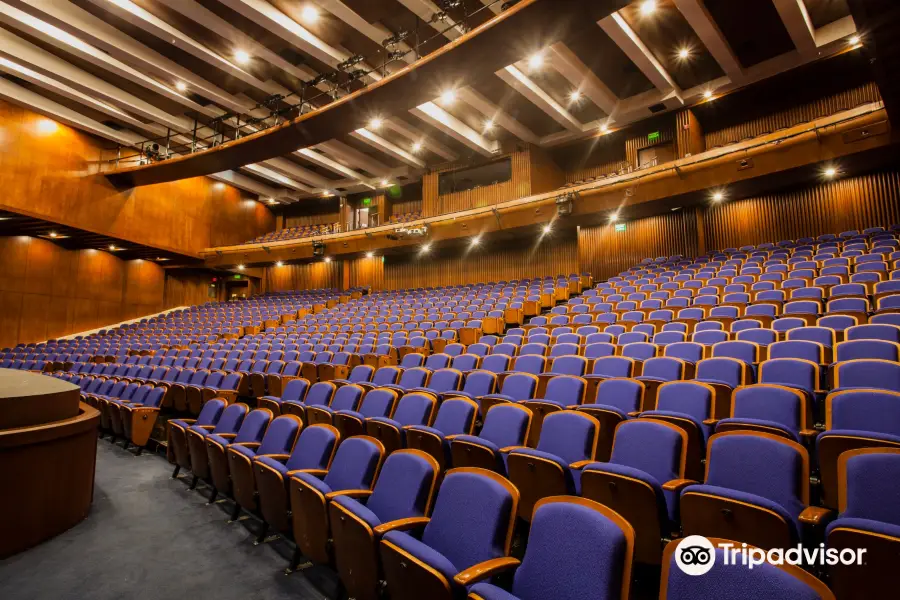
583 189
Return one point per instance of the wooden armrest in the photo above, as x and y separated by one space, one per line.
507 449
249 444
808 434
710 422
815 515
188 421
227 436
676 485
453 436
313 472
486 570
401 525
206 427
634 414
581 464
349 494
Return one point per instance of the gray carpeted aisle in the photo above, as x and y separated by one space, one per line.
149 537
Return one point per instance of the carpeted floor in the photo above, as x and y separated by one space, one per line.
148 536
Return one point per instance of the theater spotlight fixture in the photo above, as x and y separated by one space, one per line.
242 57
648 7
535 61
718 197
240 267
375 124
370 254
309 13
830 172
475 241
417 147
181 87
547 228
426 248
613 218
565 203
708 94
448 97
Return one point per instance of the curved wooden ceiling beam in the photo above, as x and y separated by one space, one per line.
505 39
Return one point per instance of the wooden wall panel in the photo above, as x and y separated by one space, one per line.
366 272
851 203
638 140
47 291
802 113
406 206
186 288
545 174
303 276
551 256
518 186
52 176
689 138
604 252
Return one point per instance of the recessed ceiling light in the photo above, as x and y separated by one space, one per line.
684 53
161 258
648 7
272 201
369 254
548 228
417 147
327 259
475 240
426 248
830 172
385 183
53 234
279 264
536 60
488 124
47 126
240 267
448 97
376 123
613 217
718 197
575 95
309 13
242 57
181 86
854 40
708 94
604 128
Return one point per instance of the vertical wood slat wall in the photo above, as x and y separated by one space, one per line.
689 138
306 276
518 186
316 219
803 113
636 143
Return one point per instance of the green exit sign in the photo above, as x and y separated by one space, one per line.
620 227
236 276
653 137
366 201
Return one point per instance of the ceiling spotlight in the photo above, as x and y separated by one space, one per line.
181 86
417 147
718 197
242 57
376 123
830 172
548 228
272 201
475 240
684 53
370 254
448 97
53 234
385 183
708 94
426 248
575 95
648 7
613 217
279 264
604 128
240 267
854 40
327 259
327 194
488 124
112 247
535 60
309 14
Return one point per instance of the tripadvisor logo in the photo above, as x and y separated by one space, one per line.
696 555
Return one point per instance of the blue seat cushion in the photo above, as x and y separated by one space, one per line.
875 527
199 430
248 452
275 399
387 421
714 381
762 423
703 429
609 408
491 592
179 422
886 437
359 509
713 490
352 413
313 482
667 502
271 462
463 394
218 439
562 405
426 554
430 430
500 397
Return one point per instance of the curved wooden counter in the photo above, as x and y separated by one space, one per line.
46 469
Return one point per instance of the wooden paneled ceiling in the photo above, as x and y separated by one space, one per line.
129 70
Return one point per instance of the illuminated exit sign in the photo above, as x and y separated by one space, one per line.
620 227
653 137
